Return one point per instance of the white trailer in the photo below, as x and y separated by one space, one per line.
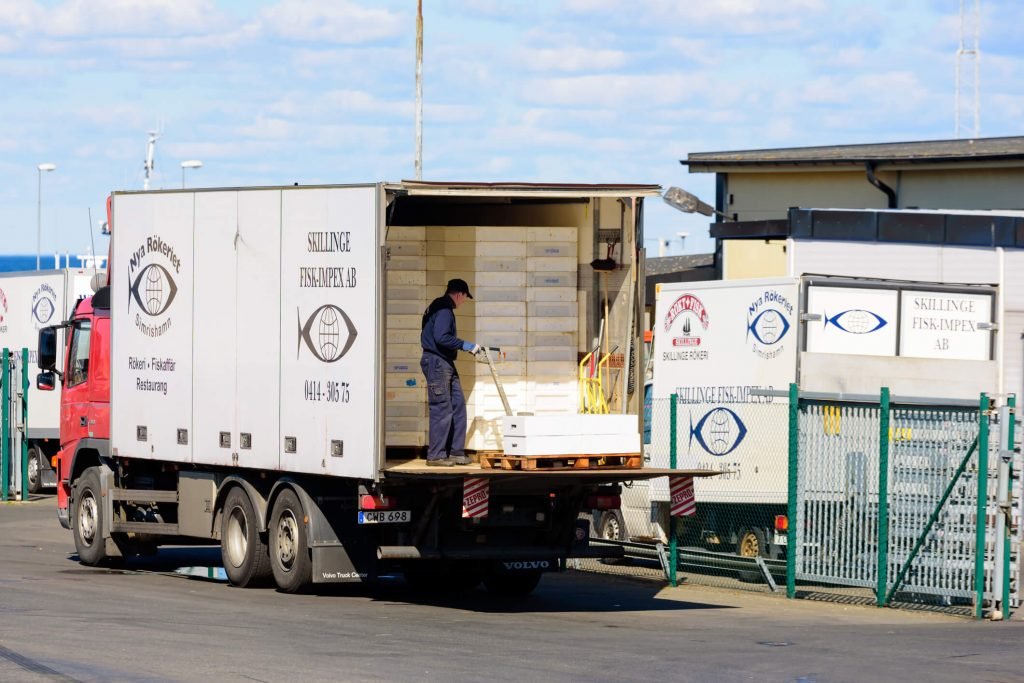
29 301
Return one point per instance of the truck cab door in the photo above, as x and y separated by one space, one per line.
74 409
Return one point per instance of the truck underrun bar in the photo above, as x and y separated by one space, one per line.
411 552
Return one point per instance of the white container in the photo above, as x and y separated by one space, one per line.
412 439
552 294
488 309
403 337
413 293
491 249
405 322
569 424
399 307
550 249
563 339
505 324
405 424
397 262
551 234
407 395
552 309
404 233
482 294
501 339
573 444
484 233
401 380
395 409
406 277
551 353
550 264
546 279
569 324
407 247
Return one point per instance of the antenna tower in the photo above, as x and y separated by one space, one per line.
147 165
968 59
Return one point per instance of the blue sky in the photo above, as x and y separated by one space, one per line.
322 91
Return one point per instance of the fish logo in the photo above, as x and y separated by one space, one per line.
719 432
769 327
44 305
153 290
328 344
856 321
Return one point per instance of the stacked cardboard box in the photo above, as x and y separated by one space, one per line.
405 422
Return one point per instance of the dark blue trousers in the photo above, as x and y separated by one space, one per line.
447 406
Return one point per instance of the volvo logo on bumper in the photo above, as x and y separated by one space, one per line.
527 564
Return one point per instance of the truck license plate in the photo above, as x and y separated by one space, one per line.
384 516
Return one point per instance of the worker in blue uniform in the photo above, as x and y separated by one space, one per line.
446 401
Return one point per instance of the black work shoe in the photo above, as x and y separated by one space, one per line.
460 459
440 462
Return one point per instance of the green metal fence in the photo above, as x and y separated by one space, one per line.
875 501
14 424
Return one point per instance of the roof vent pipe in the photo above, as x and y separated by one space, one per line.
889 192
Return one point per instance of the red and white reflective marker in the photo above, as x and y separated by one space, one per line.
683 502
476 495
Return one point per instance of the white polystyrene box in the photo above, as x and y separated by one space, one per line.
406 233
407 247
552 279
552 249
551 294
551 234
572 444
550 264
406 277
568 424
552 309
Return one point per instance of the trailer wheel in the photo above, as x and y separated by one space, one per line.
35 470
512 585
88 519
289 545
242 550
751 543
613 526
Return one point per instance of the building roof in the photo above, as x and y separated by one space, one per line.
663 265
926 152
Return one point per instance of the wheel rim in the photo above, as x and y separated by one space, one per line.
749 546
33 470
236 542
87 518
612 530
287 540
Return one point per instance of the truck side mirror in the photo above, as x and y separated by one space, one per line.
45 381
48 349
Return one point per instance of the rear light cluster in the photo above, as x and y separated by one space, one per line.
604 502
781 523
377 501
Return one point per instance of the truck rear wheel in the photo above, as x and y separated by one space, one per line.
752 543
289 544
35 470
88 519
242 550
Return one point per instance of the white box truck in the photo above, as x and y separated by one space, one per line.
29 301
247 377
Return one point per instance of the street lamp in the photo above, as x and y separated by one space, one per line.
191 163
680 199
39 209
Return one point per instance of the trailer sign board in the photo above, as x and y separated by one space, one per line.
945 325
852 321
716 345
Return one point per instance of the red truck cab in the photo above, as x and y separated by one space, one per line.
84 369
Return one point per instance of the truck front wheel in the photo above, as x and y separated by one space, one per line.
289 545
35 470
88 519
244 553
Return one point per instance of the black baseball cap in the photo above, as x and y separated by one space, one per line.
458 286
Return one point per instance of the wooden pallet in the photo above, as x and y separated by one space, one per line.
496 461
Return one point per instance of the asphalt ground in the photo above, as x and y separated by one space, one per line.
61 621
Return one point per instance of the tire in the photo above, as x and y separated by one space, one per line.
290 560
612 526
512 585
242 550
751 542
35 470
88 519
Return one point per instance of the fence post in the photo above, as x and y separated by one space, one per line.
794 463
673 542
883 498
981 513
5 423
1011 403
24 424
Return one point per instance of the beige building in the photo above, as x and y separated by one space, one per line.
762 185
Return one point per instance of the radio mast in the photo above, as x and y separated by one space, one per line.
147 165
968 60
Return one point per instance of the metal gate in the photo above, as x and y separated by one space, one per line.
911 501
14 373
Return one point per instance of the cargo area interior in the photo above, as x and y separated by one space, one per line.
553 279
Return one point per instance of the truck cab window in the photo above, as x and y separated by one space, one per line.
78 365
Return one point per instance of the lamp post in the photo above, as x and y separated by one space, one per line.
191 163
686 202
39 209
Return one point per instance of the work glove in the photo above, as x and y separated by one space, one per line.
470 347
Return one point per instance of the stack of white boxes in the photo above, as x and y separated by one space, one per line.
405 421
524 285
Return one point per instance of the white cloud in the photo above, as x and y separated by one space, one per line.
131 17
337 21
572 58
621 91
